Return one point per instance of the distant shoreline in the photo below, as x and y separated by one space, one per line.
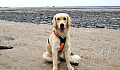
73 7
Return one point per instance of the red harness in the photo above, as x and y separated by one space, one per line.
62 41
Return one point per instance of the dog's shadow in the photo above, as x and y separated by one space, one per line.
61 66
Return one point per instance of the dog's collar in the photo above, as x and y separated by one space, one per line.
62 41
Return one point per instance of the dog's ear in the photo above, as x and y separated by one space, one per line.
54 22
68 21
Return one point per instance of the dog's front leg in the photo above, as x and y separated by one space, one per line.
67 58
54 56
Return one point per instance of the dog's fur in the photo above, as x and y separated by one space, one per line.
53 46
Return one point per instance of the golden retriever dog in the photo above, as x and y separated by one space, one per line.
58 44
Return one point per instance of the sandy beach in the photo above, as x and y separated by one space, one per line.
98 48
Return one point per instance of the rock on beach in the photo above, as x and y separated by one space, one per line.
81 17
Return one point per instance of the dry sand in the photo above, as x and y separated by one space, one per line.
98 48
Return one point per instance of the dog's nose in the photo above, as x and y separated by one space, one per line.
61 25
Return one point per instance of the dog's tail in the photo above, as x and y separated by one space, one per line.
74 59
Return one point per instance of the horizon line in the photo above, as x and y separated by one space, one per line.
69 6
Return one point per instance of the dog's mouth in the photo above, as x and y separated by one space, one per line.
62 30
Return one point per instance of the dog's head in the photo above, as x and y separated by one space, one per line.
61 22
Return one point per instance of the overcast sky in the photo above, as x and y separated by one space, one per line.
44 3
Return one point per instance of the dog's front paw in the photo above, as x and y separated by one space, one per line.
54 68
71 68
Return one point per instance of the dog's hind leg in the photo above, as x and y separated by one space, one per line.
47 57
74 59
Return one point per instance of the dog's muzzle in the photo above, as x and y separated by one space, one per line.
62 26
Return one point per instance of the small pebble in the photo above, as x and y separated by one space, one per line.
44 65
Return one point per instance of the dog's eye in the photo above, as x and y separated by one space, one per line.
64 18
58 18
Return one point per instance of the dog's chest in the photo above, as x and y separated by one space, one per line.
58 45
